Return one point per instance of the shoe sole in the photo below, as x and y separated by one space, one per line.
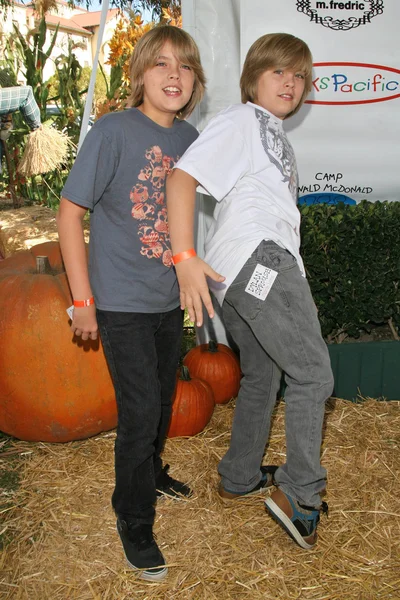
149 575
283 520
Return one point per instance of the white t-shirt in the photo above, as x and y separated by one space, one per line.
245 161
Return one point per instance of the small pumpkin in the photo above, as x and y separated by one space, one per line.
53 387
192 405
219 366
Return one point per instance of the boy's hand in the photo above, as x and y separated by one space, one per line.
84 323
193 286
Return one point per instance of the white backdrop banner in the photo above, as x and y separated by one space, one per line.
346 137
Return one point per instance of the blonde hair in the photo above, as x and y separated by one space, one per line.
148 49
273 51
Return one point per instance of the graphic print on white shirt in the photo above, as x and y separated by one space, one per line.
278 150
245 161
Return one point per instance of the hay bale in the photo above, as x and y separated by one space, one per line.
63 543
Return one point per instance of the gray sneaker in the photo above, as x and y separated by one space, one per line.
267 480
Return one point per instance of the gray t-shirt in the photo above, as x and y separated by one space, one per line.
119 175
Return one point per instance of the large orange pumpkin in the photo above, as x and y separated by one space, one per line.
53 387
219 366
192 405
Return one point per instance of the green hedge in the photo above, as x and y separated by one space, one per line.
352 259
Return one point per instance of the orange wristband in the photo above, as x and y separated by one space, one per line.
82 303
177 258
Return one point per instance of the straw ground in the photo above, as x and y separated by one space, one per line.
22 228
61 541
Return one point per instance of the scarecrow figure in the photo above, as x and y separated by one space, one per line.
11 100
46 148
20 98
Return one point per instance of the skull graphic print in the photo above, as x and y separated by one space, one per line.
148 199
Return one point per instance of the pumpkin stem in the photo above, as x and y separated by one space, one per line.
42 265
185 375
212 346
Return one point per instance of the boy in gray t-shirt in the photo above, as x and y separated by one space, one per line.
119 176
129 289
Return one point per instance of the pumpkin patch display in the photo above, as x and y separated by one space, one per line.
192 405
219 366
53 387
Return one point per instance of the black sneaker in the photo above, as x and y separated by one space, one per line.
141 550
267 480
168 486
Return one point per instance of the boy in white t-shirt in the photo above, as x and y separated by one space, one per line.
244 159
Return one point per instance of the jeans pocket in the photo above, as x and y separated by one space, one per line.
247 306
275 257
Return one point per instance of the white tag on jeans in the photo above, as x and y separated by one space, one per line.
261 282
70 311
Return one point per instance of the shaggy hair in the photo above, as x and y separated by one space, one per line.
275 51
148 49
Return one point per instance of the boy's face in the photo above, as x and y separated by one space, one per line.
280 91
168 87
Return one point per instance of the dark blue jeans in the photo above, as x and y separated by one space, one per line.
142 352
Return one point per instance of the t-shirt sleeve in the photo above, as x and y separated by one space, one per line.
218 158
93 169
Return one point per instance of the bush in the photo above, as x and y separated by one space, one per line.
352 259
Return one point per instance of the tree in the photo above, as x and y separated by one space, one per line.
122 43
161 10
155 6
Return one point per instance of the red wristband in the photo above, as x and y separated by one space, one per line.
82 303
177 258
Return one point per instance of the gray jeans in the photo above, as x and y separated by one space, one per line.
281 333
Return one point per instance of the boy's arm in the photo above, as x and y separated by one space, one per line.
72 242
192 272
